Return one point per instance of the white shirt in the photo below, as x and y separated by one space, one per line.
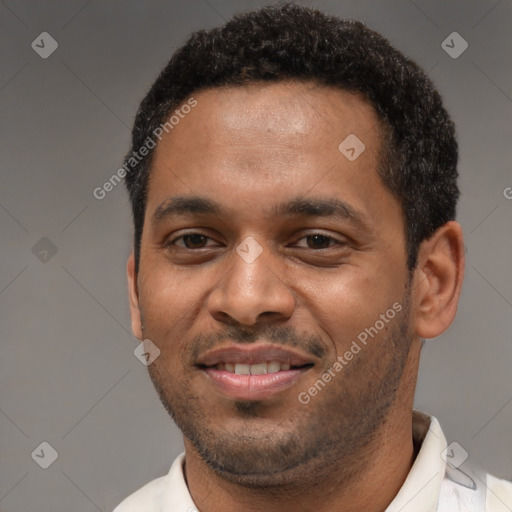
432 485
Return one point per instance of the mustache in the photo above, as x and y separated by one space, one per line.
280 335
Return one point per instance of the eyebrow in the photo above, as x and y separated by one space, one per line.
296 207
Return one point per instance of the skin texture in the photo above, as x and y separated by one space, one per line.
248 148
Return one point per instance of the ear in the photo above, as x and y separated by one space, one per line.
133 295
438 280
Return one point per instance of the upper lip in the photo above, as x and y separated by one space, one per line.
254 354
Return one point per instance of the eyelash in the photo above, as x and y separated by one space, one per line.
170 243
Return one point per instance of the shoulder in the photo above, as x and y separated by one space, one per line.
499 494
146 499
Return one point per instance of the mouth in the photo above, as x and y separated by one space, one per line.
253 372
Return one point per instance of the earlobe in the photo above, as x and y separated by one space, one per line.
133 296
438 280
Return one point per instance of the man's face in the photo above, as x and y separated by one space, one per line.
270 278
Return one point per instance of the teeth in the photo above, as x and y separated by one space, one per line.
273 367
253 369
242 369
258 369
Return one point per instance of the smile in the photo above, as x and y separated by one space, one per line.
253 369
254 372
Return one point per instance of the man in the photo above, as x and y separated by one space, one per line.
294 186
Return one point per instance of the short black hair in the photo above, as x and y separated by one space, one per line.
291 42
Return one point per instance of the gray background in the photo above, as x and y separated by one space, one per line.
68 373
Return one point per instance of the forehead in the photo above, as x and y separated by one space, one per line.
251 145
300 112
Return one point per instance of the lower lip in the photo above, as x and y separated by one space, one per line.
253 387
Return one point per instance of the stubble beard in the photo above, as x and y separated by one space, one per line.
332 431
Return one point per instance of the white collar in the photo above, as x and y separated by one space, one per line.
421 489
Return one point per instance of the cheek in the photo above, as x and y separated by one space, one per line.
345 304
169 307
168 301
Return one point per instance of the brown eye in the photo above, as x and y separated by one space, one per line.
318 241
195 240
190 241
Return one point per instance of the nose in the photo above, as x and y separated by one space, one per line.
251 291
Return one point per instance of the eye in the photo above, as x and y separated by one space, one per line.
193 240
197 240
320 241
